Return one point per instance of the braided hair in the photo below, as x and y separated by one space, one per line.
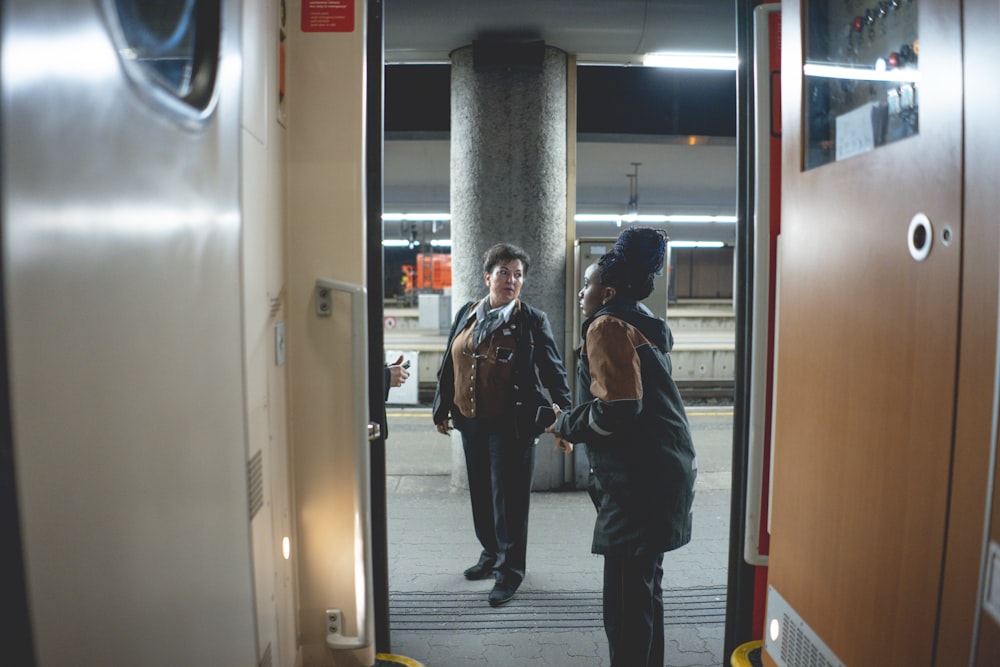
634 261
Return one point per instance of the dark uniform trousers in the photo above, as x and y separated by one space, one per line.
500 468
633 609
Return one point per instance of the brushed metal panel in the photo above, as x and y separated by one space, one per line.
121 229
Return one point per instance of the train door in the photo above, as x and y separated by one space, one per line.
867 329
329 350
121 277
974 598
766 227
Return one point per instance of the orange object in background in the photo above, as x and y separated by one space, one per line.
433 271
428 273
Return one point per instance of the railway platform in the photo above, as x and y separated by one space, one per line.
439 619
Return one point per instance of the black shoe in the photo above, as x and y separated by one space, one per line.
479 571
501 594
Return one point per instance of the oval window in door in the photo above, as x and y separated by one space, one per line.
170 48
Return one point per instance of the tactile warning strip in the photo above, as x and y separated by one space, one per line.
538 610
389 659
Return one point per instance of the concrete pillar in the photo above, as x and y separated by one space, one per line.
508 184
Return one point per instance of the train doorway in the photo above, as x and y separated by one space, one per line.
428 524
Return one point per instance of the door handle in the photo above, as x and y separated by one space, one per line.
361 512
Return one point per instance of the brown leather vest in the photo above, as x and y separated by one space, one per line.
484 375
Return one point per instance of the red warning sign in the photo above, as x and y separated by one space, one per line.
327 15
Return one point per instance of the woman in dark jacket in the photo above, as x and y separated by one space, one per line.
641 455
488 386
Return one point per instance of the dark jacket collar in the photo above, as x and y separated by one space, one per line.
634 313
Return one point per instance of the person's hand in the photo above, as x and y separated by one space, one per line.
397 375
551 428
562 445
443 428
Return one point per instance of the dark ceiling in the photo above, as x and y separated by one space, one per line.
626 100
610 100
593 31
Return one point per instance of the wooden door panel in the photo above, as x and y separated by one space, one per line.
866 363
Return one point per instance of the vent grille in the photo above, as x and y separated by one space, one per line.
795 644
797 649
255 483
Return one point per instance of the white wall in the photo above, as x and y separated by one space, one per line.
325 211
262 151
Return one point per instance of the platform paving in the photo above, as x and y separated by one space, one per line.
442 620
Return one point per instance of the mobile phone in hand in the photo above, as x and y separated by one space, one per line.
545 416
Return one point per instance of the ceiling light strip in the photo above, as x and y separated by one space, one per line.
702 61
675 218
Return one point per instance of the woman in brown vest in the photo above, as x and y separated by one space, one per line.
488 387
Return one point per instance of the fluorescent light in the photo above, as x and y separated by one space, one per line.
585 217
860 73
596 217
681 60
403 243
695 244
446 243
653 219
724 219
